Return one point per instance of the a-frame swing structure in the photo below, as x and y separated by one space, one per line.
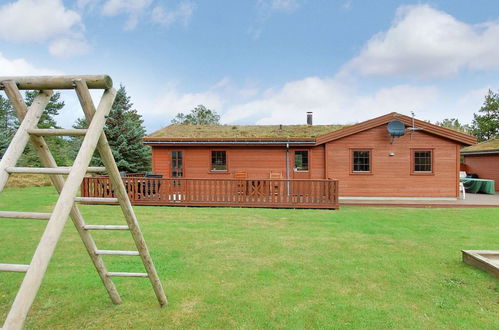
67 181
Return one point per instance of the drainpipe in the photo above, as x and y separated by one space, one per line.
287 168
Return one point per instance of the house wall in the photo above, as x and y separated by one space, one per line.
391 175
486 166
257 162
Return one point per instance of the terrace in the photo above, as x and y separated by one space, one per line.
275 193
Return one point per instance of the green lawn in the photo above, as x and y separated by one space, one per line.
358 267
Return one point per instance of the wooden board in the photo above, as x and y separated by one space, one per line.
487 260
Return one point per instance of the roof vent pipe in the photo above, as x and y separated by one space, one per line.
309 117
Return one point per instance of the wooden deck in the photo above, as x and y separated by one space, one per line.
320 194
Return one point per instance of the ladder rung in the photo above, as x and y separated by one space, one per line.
117 252
96 199
57 132
50 170
14 268
127 274
105 227
25 215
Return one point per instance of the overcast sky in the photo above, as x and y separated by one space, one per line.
265 61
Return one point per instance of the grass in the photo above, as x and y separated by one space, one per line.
244 131
357 267
490 145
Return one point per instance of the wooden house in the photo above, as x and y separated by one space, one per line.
483 160
366 159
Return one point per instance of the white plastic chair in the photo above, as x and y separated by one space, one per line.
462 190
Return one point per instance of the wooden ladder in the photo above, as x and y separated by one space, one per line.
67 187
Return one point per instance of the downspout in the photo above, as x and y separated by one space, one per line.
287 168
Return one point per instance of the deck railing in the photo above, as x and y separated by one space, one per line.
220 192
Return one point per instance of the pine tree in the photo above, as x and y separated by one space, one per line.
7 124
59 146
485 126
124 130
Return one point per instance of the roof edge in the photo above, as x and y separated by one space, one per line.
378 121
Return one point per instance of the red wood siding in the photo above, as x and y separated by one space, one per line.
486 166
391 175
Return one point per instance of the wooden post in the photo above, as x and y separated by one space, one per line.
65 203
117 183
48 160
21 138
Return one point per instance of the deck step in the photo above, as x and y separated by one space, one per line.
57 132
14 268
25 215
96 200
117 252
127 274
105 227
50 170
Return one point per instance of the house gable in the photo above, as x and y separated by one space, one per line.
447 133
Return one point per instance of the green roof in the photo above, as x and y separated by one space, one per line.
490 145
179 131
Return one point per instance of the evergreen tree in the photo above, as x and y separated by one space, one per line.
59 146
124 130
200 115
453 123
7 124
485 126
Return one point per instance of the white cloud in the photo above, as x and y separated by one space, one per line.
171 101
331 101
425 42
42 21
265 9
181 14
21 67
68 47
31 20
133 8
347 5
283 5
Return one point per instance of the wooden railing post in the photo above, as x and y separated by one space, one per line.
220 192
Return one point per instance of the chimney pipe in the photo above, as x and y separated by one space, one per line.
309 117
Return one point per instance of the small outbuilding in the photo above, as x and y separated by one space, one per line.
482 159
392 156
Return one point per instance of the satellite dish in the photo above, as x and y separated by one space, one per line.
396 128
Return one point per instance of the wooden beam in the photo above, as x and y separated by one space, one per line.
48 160
57 132
51 170
14 268
119 188
96 200
122 274
58 82
21 138
31 283
117 252
105 227
25 215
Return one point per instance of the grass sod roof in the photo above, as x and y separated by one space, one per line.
179 131
491 145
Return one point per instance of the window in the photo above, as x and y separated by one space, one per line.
301 160
177 164
218 161
422 161
361 161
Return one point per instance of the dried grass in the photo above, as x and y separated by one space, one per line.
28 180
